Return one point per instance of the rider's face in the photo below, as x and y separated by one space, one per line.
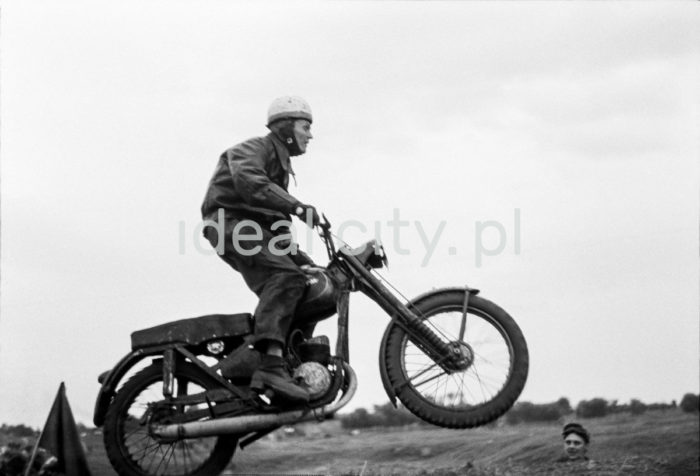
574 446
302 133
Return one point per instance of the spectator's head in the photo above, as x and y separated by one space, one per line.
576 440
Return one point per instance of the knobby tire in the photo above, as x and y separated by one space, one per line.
459 399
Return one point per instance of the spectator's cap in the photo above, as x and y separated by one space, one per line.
576 429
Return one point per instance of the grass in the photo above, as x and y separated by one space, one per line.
660 442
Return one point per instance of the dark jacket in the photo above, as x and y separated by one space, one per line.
251 181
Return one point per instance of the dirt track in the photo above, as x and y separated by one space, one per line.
660 442
655 443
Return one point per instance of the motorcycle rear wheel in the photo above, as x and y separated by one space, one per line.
134 452
459 397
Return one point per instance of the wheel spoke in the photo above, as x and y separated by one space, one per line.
153 455
185 455
135 433
162 457
162 454
147 449
429 379
426 369
481 386
169 453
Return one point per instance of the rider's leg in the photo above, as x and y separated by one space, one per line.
280 284
280 288
273 317
275 276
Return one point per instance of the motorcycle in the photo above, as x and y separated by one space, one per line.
451 357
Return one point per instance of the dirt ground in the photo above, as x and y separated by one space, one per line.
659 442
662 442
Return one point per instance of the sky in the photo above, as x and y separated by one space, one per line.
543 152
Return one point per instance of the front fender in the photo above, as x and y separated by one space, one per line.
110 380
382 348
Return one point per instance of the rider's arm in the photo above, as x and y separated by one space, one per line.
247 165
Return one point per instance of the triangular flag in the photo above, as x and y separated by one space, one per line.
60 438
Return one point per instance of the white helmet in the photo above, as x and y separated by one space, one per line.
288 107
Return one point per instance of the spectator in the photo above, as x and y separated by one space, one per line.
576 440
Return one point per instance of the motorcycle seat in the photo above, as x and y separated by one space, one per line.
193 330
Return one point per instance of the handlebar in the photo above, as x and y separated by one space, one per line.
325 234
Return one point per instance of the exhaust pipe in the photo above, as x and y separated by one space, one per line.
247 424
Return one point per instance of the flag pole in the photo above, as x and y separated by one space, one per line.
34 451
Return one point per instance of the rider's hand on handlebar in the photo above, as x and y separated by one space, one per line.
307 214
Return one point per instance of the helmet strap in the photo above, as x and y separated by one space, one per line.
285 131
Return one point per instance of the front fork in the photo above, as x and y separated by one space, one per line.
419 333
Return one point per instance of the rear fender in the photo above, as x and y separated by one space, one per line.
110 380
382 348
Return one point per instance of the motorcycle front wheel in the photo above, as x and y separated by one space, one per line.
133 451
479 389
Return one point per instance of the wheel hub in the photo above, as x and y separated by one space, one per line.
462 356
158 414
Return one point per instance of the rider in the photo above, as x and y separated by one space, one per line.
248 199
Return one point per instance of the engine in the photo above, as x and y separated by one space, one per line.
315 376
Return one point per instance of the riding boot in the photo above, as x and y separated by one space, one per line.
273 375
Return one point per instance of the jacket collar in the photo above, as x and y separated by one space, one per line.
281 152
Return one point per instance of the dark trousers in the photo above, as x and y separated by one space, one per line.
276 278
